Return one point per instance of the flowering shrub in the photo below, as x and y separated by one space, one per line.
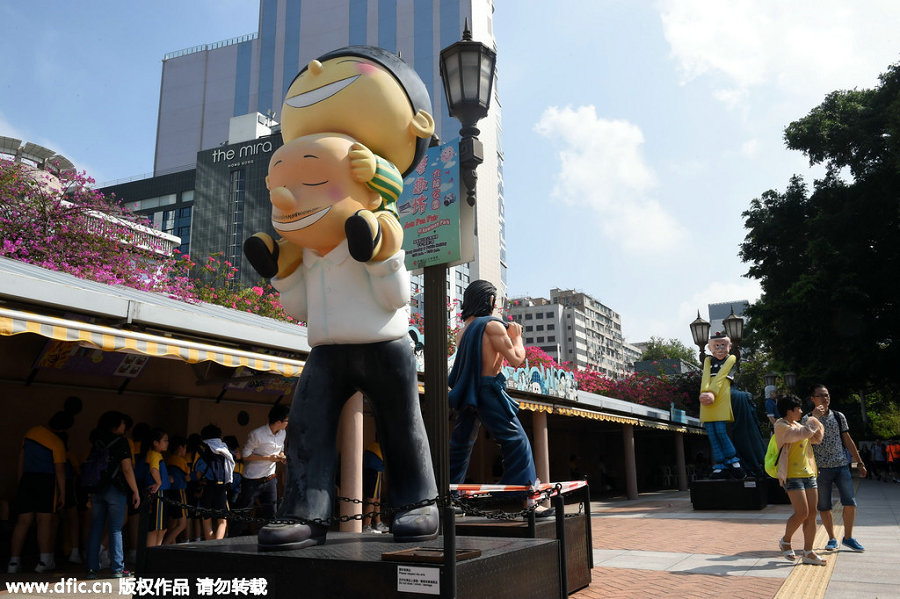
62 224
66 226
215 282
640 388
453 325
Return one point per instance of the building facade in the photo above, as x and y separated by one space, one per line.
216 204
720 311
203 87
574 327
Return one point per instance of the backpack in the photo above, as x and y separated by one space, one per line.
98 470
773 454
213 467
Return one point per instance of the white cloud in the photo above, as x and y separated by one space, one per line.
750 148
805 49
601 167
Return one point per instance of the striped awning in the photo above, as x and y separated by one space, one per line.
534 406
14 322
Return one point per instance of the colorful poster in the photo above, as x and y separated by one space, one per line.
430 209
71 356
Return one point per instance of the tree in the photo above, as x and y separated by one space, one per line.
827 258
660 349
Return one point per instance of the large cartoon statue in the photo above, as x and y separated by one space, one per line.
374 97
478 389
715 406
345 109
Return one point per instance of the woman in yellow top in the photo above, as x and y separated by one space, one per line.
797 473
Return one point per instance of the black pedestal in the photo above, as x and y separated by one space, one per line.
775 493
351 565
578 544
746 494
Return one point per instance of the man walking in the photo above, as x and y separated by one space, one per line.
262 451
834 467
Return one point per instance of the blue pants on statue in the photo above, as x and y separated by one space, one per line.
496 411
723 452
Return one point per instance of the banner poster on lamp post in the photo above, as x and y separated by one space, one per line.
430 211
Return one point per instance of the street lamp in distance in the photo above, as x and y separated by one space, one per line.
790 379
734 327
700 333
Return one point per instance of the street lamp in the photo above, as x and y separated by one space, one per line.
790 379
770 379
700 333
467 70
734 327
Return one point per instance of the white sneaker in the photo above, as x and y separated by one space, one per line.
45 567
13 568
368 530
380 527
104 558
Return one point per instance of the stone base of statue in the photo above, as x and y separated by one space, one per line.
729 494
775 493
578 553
359 565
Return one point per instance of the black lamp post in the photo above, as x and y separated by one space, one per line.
700 333
467 70
734 326
770 378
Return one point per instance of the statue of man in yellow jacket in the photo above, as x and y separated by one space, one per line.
715 406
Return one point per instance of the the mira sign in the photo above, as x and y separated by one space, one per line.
245 151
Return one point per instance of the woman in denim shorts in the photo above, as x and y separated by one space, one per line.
797 474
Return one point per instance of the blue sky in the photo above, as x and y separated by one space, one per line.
634 132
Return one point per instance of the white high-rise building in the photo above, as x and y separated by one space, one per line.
574 327
205 86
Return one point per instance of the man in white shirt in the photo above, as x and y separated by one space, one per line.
261 453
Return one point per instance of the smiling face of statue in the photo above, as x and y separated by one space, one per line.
357 97
313 193
720 347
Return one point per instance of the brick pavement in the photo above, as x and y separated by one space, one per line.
647 527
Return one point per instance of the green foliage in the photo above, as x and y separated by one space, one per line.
883 415
827 258
660 349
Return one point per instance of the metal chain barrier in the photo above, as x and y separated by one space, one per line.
466 505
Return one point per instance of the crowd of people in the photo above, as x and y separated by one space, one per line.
815 452
99 498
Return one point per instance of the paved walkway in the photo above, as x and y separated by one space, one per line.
658 546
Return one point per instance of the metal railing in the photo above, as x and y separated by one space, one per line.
204 47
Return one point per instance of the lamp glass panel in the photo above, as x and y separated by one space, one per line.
487 70
470 75
452 79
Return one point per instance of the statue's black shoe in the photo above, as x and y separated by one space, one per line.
283 537
415 526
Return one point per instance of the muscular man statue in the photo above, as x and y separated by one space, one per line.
478 390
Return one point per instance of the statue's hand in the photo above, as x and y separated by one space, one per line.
362 163
707 398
